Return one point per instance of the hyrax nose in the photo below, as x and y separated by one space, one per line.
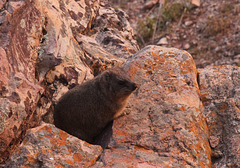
134 86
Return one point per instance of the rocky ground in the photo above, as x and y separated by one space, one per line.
209 32
180 116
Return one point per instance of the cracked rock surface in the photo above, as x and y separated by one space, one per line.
179 116
47 146
220 94
46 48
165 126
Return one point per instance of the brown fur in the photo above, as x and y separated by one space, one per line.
86 109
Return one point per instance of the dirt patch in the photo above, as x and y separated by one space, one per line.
209 32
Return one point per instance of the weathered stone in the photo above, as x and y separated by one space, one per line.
188 23
20 91
214 141
186 46
41 59
114 33
98 59
47 47
196 2
165 126
62 19
14 5
162 41
237 60
2 3
150 4
47 146
220 94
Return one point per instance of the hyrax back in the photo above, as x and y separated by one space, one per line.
86 109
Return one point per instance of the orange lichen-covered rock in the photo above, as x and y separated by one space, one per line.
48 146
165 126
46 48
32 42
220 94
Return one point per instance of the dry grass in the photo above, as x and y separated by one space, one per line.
157 22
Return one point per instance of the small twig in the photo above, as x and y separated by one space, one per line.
158 20
180 20
150 11
141 38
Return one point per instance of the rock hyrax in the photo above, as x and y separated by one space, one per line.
86 109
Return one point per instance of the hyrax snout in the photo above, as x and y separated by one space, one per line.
86 109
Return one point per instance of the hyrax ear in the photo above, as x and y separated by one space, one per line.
106 76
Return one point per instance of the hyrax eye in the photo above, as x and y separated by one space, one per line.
121 82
